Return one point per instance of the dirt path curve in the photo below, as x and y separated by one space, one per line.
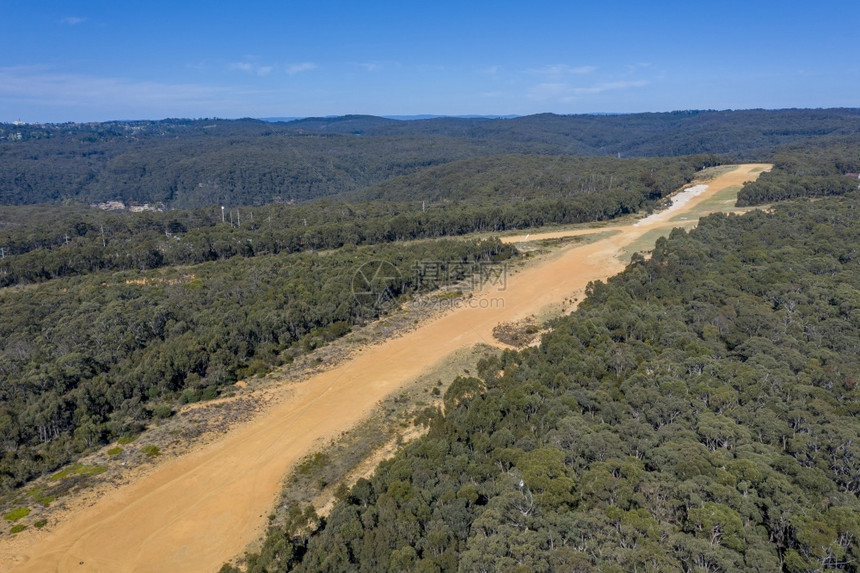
199 510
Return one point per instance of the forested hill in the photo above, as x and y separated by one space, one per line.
193 163
743 134
511 179
44 242
697 413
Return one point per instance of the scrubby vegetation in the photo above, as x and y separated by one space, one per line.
86 360
698 412
811 170
151 451
77 470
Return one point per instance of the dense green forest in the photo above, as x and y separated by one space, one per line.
85 360
526 178
43 242
741 134
196 163
815 169
698 412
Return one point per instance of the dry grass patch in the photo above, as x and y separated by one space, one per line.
518 334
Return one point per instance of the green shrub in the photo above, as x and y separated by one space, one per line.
209 393
78 470
151 451
41 523
256 368
17 514
40 495
313 463
162 411
189 396
18 528
126 439
114 451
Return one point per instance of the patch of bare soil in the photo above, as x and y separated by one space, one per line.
195 511
518 334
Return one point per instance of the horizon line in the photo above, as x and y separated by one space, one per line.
419 117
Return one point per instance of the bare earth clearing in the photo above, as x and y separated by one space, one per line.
197 511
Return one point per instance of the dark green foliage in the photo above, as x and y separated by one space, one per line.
45 242
779 186
811 170
194 163
697 413
526 178
742 134
86 360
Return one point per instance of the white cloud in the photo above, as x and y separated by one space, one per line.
372 66
302 67
70 97
608 86
430 68
633 68
250 68
547 91
73 20
563 70
566 93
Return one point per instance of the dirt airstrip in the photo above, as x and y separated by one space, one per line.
197 511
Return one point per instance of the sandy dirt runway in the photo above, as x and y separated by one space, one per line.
197 511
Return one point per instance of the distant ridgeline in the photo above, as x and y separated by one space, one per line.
195 163
697 413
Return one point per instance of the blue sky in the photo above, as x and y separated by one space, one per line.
126 59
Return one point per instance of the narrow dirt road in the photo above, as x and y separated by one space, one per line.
197 511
